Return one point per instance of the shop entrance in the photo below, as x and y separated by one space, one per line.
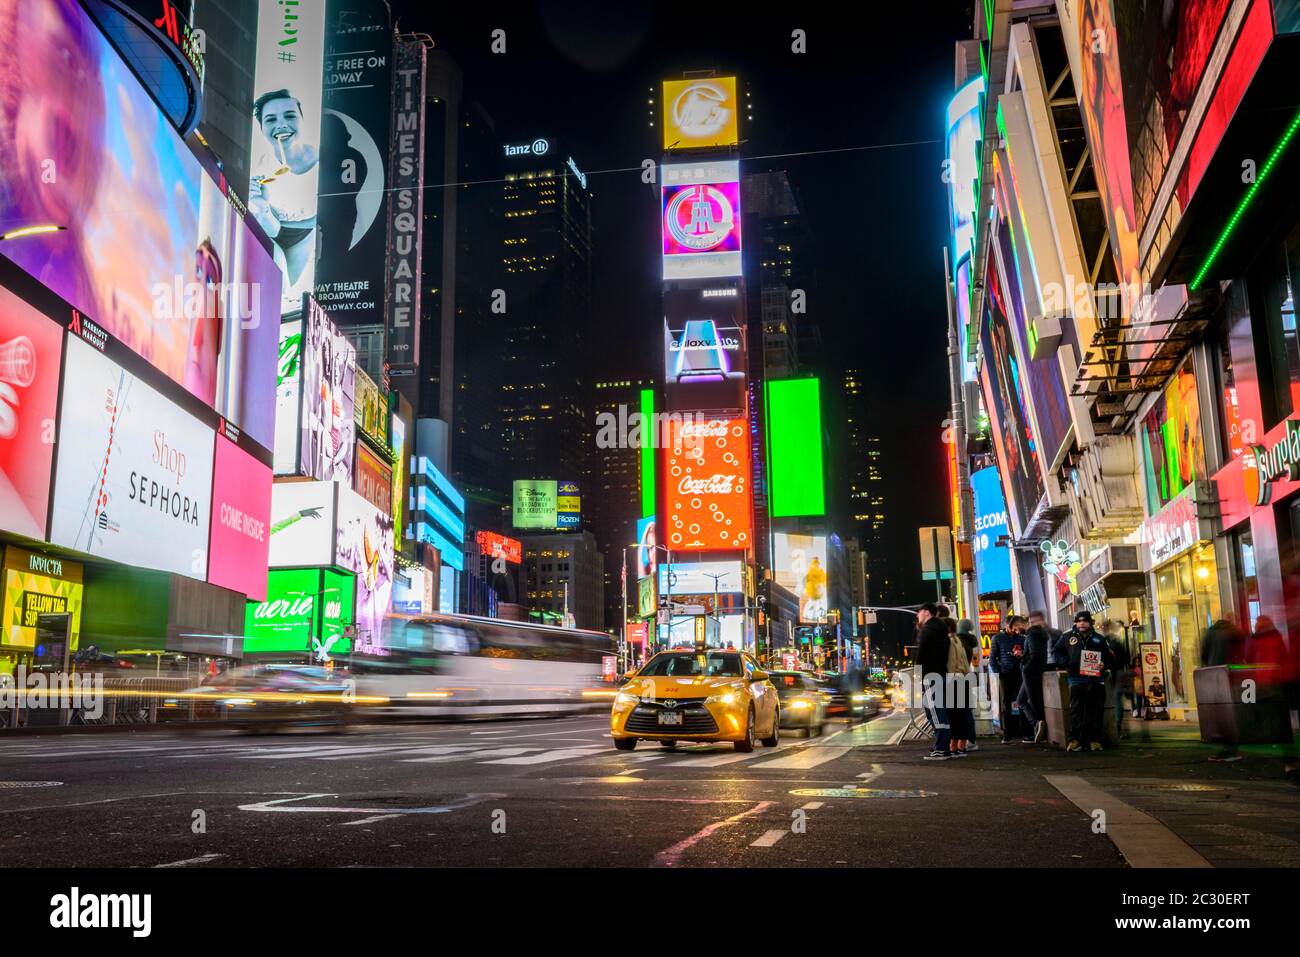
1187 603
53 640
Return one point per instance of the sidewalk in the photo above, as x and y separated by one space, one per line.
1165 802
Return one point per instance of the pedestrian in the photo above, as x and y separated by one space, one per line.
1269 661
1033 663
1053 660
932 655
1223 644
971 646
1088 658
1113 632
955 690
1004 661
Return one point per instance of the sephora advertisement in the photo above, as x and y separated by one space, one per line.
701 220
286 156
800 567
134 470
31 347
353 186
155 252
241 516
364 544
329 371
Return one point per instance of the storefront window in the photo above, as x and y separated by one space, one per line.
1274 282
1187 603
1172 441
1246 574
1229 405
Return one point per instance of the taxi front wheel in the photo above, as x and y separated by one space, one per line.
746 744
775 738
625 744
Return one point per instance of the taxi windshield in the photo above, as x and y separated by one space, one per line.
690 665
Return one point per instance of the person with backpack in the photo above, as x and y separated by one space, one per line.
960 716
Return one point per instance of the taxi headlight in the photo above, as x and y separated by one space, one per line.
624 699
859 697
800 705
727 697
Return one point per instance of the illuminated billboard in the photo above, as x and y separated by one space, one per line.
31 348
492 545
799 566
992 560
371 407
700 113
406 219
701 578
286 136
305 610
134 471
364 544
701 220
796 486
568 506
354 143
241 515
302 524
962 173
647 555
152 250
705 353
374 478
535 504
36 585
706 471
329 368
288 399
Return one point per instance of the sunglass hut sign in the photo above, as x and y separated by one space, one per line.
1275 463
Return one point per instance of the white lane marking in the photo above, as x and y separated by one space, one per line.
806 758
489 732
323 751
279 805
869 776
715 760
545 757
770 837
670 856
1142 839
369 820
813 805
192 860
469 756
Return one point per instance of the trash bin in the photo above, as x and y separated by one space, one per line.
1056 708
1230 711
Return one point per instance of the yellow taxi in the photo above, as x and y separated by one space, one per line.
697 696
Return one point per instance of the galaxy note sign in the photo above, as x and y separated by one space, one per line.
134 476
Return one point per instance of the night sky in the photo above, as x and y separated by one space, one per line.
581 75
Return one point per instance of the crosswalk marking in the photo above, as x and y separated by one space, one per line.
545 757
715 760
469 755
769 838
808 758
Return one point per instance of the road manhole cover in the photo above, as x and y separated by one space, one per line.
862 793
14 785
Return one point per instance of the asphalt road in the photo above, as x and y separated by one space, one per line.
541 792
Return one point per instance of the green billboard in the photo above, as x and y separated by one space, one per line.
291 619
796 484
536 504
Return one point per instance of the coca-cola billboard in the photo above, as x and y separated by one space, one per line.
708 484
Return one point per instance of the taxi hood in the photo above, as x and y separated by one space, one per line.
685 687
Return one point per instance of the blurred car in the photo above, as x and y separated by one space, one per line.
803 701
852 705
271 695
697 696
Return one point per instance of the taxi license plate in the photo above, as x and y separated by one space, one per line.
670 717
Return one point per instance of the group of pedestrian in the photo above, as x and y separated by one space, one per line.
949 657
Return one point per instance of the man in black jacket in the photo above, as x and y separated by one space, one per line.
1032 665
932 656
1088 656
1005 652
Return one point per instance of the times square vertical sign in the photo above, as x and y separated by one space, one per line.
405 224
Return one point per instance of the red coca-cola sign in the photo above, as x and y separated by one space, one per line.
708 481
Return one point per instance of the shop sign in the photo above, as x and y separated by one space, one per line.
1274 463
1153 675
1095 599
1171 531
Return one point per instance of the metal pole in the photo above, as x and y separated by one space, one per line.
622 645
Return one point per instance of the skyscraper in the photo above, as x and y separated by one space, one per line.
612 486
863 461
543 309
